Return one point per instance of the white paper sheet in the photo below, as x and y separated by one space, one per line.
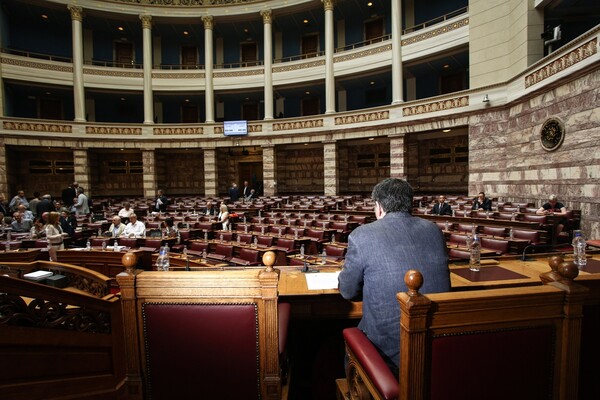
322 280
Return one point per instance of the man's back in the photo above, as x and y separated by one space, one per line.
379 254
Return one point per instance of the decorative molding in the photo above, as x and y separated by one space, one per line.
179 131
362 117
52 315
295 67
287 126
436 32
112 130
36 127
186 3
208 22
37 65
256 128
364 53
565 61
435 106
114 73
174 75
239 72
76 12
146 21
267 16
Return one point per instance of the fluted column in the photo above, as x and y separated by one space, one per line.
77 41
329 77
268 72
269 170
330 169
147 42
210 172
397 95
398 151
81 170
149 171
209 101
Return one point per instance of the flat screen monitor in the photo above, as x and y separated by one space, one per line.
235 128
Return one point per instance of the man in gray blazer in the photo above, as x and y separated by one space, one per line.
380 253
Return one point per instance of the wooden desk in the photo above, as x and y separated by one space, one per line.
20 255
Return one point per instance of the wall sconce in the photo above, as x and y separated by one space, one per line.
486 99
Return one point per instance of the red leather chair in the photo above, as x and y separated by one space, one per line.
184 237
468 228
245 238
457 239
128 242
97 242
287 245
458 254
198 246
246 257
222 252
152 243
500 246
266 241
534 237
335 251
494 231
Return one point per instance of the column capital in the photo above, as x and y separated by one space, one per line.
208 21
397 135
146 21
328 4
76 12
267 16
329 141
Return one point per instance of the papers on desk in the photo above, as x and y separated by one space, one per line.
322 280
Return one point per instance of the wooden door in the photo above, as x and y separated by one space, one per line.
253 173
374 29
250 111
310 106
124 54
189 113
50 108
249 53
310 45
189 57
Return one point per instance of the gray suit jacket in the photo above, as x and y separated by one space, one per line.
379 254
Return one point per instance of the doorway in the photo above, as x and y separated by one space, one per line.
253 173
124 54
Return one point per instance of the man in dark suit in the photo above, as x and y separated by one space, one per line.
482 203
234 192
441 207
246 190
68 195
380 253
45 205
160 204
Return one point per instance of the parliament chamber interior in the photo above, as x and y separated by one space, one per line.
239 141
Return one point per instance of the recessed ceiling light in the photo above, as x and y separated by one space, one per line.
371 138
122 98
446 130
372 82
306 144
370 4
187 100
307 92
44 16
186 33
120 28
245 30
122 149
305 21
446 65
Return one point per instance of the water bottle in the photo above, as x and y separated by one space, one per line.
104 245
302 250
511 234
221 237
203 259
446 225
8 235
474 230
579 249
206 236
115 246
255 242
7 246
324 257
475 257
160 260
88 245
99 232
32 232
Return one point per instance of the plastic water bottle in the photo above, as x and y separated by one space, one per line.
88 245
115 246
99 232
579 249
302 250
324 257
475 257
446 226
255 242
203 259
511 234
160 260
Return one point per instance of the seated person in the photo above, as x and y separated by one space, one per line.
68 222
126 211
441 207
134 228
482 203
25 213
251 195
169 228
19 224
38 228
117 228
210 209
553 207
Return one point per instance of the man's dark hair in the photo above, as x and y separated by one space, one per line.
393 195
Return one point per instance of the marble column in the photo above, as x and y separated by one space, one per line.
147 43
329 51
330 170
397 76
149 182
398 165
268 67
210 173
3 172
209 101
77 41
269 170
81 168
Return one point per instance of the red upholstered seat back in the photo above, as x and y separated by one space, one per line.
154 243
128 242
532 236
201 351
97 242
459 239
265 240
285 243
199 246
499 245
224 249
465 227
534 218
249 255
335 251
493 365
494 230
245 238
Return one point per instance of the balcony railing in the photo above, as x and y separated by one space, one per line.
41 56
437 20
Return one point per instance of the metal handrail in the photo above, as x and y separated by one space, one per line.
41 56
437 20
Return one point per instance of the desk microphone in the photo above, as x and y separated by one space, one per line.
536 246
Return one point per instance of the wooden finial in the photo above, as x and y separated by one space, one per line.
129 260
413 280
568 270
268 259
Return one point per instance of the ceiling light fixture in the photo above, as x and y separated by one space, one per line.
370 4
446 130
44 16
305 21
186 33
120 28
